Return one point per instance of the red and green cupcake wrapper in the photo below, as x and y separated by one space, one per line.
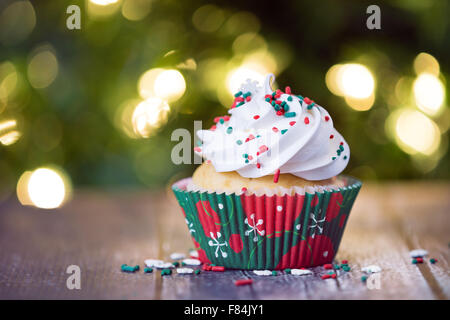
246 231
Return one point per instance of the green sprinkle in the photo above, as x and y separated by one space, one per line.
126 268
334 158
346 268
338 151
183 263
221 121
290 114
274 273
245 155
273 103
258 136
176 263
341 147
166 272
433 261
277 107
336 267
284 131
197 271
414 261
212 265
239 142
286 107
238 94
239 104
267 99
288 271
229 130
247 94
310 106
330 273
283 103
148 270
300 97
246 161
345 157
289 98
363 278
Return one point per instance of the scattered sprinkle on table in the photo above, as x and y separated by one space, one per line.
192 262
166 272
301 272
159 264
218 268
433 260
328 266
364 278
148 270
262 272
418 253
243 282
126 268
193 254
185 270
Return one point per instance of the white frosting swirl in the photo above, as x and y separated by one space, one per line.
256 141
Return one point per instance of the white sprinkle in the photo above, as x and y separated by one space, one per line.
262 272
192 262
159 264
193 253
279 208
177 256
300 272
418 253
371 269
185 270
325 253
220 206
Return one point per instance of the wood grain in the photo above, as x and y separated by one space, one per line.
100 231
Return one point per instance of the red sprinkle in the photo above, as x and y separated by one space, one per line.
258 165
243 282
276 176
288 90
213 128
327 118
249 98
263 148
307 100
333 276
256 117
226 118
328 266
277 96
325 276
306 120
331 136
292 123
250 157
198 149
419 260
206 267
344 261
278 91
218 269
341 143
268 96
275 129
216 119
244 189
278 102
250 137
280 113
239 99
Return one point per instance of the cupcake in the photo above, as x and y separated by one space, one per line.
269 194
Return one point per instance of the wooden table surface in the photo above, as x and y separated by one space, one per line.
100 231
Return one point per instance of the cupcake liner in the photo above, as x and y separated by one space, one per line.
267 231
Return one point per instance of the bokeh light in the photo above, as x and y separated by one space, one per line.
17 21
169 85
136 10
208 18
146 83
8 132
99 9
149 115
45 188
8 81
354 82
42 68
426 63
414 132
429 93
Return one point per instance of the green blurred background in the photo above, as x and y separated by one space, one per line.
98 105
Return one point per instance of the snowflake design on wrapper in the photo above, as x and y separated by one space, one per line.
190 226
254 227
316 224
250 86
215 242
